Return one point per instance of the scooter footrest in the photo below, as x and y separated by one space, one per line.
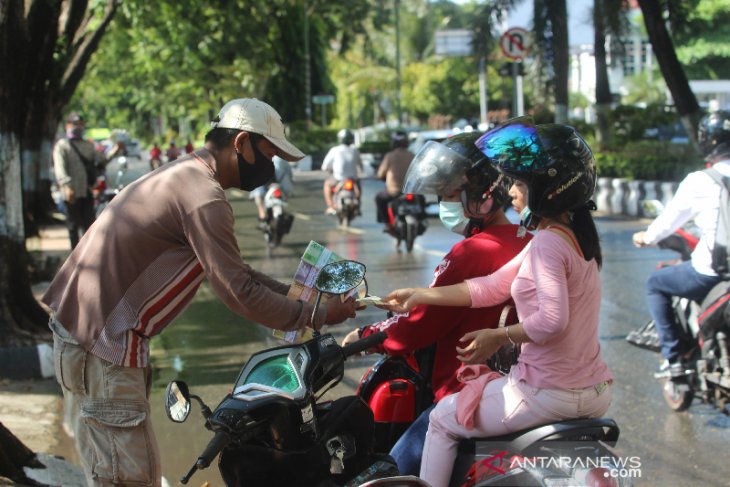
648 340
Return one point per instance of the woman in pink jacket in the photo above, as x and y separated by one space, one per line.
555 285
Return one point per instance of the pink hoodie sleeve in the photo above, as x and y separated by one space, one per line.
495 288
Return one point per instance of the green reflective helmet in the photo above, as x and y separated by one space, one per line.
553 160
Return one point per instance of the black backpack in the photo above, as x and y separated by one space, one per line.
720 256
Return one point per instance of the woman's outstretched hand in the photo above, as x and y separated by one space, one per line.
401 300
481 345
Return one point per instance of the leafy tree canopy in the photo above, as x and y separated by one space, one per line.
702 42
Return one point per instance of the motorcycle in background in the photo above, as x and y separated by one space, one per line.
707 326
407 218
273 430
278 221
104 190
347 204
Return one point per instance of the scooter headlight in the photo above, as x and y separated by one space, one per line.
276 372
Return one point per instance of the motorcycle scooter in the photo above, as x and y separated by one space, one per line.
103 191
398 390
278 220
273 430
407 218
347 203
707 326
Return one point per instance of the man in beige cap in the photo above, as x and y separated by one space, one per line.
138 267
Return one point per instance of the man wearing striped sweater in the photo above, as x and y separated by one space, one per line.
139 266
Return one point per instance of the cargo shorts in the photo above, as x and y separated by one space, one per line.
110 417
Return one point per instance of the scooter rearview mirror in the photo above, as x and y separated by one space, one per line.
340 277
362 289
177 401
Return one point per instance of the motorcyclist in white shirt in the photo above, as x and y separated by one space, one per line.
343 162
284 177
697 198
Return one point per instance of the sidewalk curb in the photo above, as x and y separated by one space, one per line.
33 362
56 471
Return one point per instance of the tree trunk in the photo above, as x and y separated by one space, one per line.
22 320
603 90
558 12
37 176
45 48
14 455
672 71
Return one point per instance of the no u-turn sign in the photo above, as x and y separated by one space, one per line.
515 43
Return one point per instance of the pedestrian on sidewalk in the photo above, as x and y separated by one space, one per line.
140 265
77 164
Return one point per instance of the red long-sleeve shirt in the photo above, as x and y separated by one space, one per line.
479 255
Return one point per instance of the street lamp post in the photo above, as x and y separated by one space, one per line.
397 63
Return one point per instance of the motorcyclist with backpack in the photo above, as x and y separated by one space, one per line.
344 162
477 195
697 198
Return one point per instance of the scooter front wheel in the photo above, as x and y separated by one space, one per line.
678 395
410 236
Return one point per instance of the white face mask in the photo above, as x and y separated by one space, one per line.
452 216
528 221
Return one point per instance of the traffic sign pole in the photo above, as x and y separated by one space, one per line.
515 44
519 99
322 101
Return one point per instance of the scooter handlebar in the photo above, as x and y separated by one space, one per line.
361 345
216 445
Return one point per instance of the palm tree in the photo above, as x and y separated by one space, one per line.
608 19
551 24
672 71
550 29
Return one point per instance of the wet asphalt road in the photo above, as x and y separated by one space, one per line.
207 346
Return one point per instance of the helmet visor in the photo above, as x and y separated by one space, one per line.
514 147
436 170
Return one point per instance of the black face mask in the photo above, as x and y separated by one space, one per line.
260 172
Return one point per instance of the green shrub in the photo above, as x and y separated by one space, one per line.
629 123
648 160
312 141
375 146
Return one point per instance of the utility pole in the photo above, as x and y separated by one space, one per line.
483 109
518 105
307 70
397 63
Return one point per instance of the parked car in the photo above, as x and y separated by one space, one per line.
425 136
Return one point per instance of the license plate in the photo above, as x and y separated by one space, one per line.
409 209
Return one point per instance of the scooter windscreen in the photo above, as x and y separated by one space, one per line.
436 170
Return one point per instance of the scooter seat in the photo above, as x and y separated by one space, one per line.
603 429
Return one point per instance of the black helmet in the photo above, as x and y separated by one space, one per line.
553 161
482 179
443 167
713 135
345 136
398 139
